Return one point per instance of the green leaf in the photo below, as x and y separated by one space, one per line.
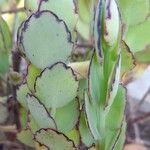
98 27
31 5
25 136
74 135
85 11
97 88
133 11
32 74
83 29
52 42
116 111
6 35
56 86
143 56
22 92
53 140
128 60
113 83
71 114
119 143
23 117
138 36
36 108
32 124
86 136
5 46
4 62
64 9
93 115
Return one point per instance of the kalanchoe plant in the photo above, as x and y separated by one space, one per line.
52 112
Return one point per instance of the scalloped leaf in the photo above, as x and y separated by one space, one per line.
56 86
32 124
71 114
23 117
25 136
31 5
140 9
86 136
32 74
128 61
22 92
36 108
74 135
143 56
53 140
40 147
52 42
64 9
138 36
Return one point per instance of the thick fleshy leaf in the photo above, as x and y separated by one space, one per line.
112 22
85 11
133 11
5 46
23 117
39 146
53 140
6 36
52 42
74 135
64 9
93 115
3 113
113 83
86 136
113 126
31 5
25 136
32 124
4 62
56 86
83 29
98 27
32 74
22 92
36 108
143 56
97 88
138 36
119 143
71 114
128 60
